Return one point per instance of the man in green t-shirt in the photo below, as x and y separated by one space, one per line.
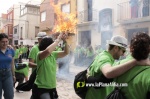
138 87
35 50
32 59
45 83
103 64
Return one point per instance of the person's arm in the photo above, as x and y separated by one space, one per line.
50 48
65 52
115 71
31 63
13 70
26 78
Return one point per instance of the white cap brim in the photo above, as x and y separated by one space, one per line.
114 43
39 37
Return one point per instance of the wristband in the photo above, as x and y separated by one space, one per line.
57 40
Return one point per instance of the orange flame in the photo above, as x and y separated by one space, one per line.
64 21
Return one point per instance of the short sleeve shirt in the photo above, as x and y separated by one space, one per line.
6 58
100 60
95 70
46 72
139 86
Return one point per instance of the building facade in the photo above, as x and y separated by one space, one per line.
99 20
7 24
28 25
46 17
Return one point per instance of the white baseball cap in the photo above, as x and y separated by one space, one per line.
41 35
118 41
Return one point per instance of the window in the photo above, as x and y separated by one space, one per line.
32 10
25 10
22 12
65 8
89 10
43 16
21 43
15 31
16 42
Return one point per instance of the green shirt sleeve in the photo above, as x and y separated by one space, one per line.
16 54
103 60
33 53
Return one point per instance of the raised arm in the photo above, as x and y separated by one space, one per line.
65 52
43 54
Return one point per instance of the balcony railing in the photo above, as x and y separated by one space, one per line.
133 10
88 15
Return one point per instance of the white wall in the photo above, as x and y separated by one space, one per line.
16 14
33 22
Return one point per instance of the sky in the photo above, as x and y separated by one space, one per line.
6 4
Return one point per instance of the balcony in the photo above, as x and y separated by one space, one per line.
87 16
134 12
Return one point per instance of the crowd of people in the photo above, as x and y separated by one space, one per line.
44 57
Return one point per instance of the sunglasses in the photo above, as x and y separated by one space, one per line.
123 49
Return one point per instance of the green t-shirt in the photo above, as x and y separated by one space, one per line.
33 54
58 48
100 60
16 54
139 86
46 72
24 49
89 53
25 70
21 50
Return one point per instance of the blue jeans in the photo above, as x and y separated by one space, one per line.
6 84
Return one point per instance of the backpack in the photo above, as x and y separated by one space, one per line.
79 84
19 66
118 94
81 80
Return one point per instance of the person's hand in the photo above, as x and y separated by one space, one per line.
10 47
145 62
60 36
64 36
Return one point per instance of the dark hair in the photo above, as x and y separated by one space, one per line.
3 35
16 47
45 42
140 45
111 47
